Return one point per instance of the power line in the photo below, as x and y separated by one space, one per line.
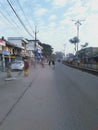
24 14
19 19
9 20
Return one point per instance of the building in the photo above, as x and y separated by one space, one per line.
16 48
4 52
36 49
87 54
20 43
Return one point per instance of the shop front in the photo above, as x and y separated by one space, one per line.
4 59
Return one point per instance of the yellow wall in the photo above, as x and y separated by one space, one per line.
0 47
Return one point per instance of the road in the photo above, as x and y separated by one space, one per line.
63 98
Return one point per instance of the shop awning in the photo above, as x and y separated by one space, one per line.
4 52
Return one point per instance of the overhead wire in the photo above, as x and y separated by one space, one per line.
19 18
8 20
24 14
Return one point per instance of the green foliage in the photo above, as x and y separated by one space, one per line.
59 55
47 49
74 40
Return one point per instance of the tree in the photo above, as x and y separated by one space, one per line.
59 55
85 45
74 41
47 49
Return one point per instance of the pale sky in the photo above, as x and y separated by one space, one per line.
53 19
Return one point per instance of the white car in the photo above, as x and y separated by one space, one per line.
17 65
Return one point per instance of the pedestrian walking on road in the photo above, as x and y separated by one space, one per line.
53 63
42 62
9 74
26 68
49 62
33 62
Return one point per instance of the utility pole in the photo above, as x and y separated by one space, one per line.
78 23
35 33
64 50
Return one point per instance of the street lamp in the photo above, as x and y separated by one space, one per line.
78 23
64 50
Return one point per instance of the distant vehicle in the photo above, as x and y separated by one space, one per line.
17 65
59 60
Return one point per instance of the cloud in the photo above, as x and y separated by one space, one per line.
65 21
77 10
52 25
47 0
59 3
39 11
91 28
94 5
52 17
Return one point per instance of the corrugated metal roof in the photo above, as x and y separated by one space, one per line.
14 45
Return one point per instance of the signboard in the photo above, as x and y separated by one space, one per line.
2 43
37 54
4 52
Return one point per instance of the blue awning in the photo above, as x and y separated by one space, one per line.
4 52
37 54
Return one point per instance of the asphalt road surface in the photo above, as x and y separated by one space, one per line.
63 98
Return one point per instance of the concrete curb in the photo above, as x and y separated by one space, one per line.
89 70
